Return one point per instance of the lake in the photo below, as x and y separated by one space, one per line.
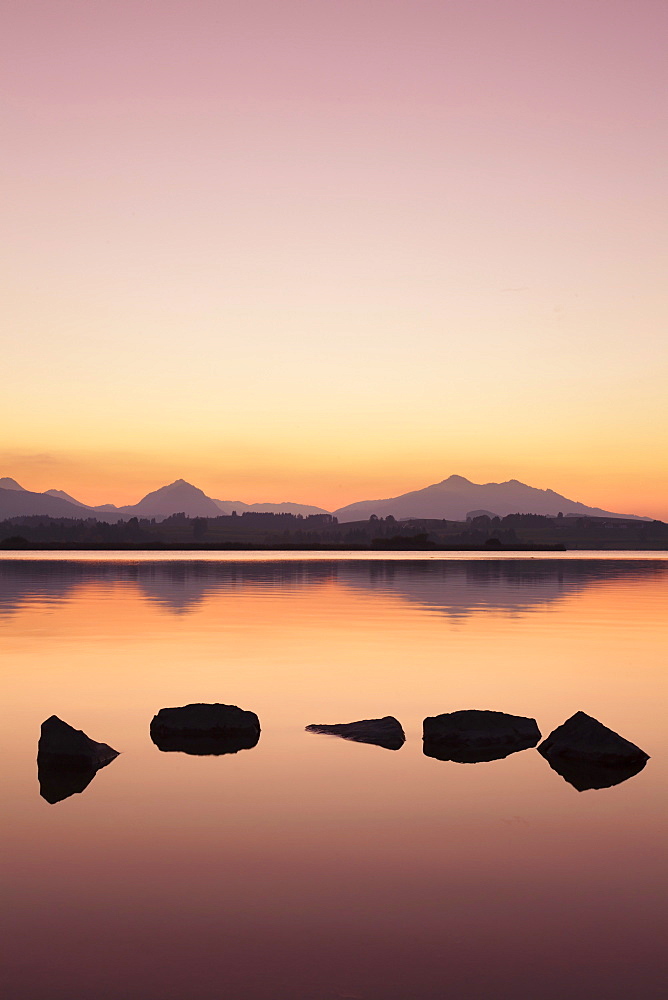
310 867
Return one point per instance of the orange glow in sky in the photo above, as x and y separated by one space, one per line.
334 252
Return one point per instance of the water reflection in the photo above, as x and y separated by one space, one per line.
454 588
58 780
313 869
584 775
473 755
205 746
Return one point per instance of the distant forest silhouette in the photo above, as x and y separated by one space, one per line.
285 531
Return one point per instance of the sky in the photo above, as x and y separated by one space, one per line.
329 251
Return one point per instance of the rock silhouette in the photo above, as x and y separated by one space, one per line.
385 732
471 736
584 740
68 760
205 729
60 742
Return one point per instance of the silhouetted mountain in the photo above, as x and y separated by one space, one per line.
455 496
179 496
22 503
454 499
65 496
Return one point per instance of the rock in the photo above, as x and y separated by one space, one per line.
584 739
60 743
205 729
386 732
583 775
68 760
471 735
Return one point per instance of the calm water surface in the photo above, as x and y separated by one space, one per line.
311 868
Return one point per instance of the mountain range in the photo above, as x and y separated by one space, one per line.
452 499
175 498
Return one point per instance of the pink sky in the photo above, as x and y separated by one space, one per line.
329 250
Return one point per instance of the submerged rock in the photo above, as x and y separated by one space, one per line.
61 743
584 739
385 732
584 775
203 729
471 736
68 760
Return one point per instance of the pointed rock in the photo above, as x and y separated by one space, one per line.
61 743
582 738
385 732
68 760
472 735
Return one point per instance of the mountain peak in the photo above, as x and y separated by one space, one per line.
10 484
456 481
179 485
453 498
64 496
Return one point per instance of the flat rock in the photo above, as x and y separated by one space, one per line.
474 735
385 732
205 720
60 743
582 738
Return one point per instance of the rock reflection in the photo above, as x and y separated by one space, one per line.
205 745
473 755
59 780
584 775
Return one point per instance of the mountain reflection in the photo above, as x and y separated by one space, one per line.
451 587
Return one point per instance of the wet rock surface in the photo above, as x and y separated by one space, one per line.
472 736
204 719
585 739
386 732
